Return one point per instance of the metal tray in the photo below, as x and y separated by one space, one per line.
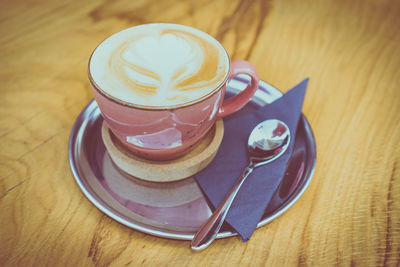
177 209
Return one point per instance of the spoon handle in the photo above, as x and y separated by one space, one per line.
209 230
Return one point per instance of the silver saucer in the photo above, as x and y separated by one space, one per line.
176 209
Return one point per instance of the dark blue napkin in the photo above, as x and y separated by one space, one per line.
220 176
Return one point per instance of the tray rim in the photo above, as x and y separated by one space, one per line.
165 233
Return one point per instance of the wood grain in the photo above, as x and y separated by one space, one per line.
350 214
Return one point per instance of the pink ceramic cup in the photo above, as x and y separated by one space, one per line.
169 132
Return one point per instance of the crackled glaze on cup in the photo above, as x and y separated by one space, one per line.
164 125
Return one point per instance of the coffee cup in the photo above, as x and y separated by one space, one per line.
160 87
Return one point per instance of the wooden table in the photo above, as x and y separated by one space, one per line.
350 214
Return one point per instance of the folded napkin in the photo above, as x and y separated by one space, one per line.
219 177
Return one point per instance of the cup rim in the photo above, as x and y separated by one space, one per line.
170 107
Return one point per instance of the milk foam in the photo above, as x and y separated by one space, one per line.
159 65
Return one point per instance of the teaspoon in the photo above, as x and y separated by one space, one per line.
267 142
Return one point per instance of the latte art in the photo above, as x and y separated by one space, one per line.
159 65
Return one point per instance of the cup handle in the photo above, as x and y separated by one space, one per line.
238 101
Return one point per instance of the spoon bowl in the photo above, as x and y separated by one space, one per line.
268 141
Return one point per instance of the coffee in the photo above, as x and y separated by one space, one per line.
159 65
